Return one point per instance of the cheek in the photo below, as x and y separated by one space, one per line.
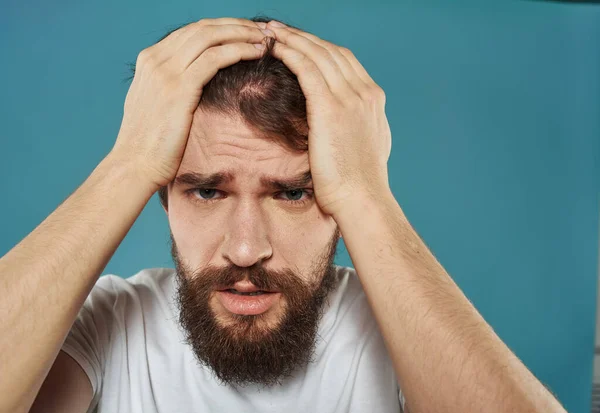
186 217
302 239
197 234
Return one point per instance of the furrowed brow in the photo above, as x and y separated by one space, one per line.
197 179
296 182
203 180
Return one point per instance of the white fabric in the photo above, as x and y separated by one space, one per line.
126 338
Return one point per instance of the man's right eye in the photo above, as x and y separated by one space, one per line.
208 193
203 194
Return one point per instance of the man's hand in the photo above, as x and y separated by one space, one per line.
349 138
166 90
43 288
446 357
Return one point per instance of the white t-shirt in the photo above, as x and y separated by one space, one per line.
127 340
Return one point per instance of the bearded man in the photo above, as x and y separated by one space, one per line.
266 144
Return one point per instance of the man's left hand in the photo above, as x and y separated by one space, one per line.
349 138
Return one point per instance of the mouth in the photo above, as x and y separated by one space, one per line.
247 300
245 287
247 293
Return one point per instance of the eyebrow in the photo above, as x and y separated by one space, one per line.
212 180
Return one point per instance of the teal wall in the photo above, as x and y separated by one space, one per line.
494 112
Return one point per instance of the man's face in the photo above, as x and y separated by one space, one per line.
254 260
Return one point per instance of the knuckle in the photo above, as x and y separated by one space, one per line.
205 22
309 65
144 57
378 92
210 55
324 54
194 27
345 51
372 94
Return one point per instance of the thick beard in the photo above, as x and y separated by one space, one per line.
254 349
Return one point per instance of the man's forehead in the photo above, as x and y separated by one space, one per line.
211 125
222 149
214 133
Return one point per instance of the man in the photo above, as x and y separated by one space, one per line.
266 144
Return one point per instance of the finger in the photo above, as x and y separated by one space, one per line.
170 39
208 64
309 76
228 20
171 43
358 68
320 56
209 36
347 69
225 21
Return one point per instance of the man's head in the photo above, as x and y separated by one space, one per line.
253 251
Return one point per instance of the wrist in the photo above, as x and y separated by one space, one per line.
364 204
126 170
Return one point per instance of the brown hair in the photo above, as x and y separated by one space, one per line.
264 92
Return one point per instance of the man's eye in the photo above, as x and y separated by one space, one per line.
208 193
293 196
204 193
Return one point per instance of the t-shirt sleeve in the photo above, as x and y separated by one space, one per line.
88 340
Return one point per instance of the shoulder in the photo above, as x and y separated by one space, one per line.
148 278
147 285
349 290
347 306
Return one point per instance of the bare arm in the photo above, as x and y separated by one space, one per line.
446 356
45 279
66 389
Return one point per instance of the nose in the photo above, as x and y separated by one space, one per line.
246 239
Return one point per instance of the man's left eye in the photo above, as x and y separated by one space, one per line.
294 194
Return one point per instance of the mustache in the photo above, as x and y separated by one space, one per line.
215 278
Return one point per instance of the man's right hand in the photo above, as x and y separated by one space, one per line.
166 90
45 278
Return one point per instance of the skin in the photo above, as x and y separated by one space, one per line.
44 288
446 357
244 223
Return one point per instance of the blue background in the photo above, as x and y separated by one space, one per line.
494 111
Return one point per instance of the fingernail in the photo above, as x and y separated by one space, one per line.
259 46
275 23
268 32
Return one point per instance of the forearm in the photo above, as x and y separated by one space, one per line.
447 358
45 278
